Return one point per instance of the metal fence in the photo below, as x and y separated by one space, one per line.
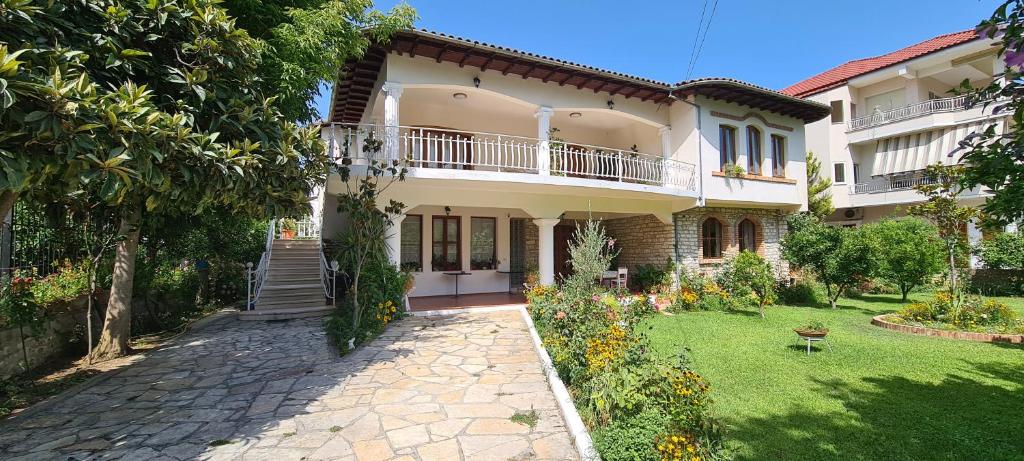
40 237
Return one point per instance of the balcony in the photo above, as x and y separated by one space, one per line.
893 182
442 149
931 106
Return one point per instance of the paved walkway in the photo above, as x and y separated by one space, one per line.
429 388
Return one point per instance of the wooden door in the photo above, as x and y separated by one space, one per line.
564 234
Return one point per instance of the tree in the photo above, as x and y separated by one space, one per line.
943 187
913 252
370 222
753 274
837 256
174 123
819 197
308 41
995 157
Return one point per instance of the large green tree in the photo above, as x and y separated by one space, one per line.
837 256
307 41
943 208
164 118
913 252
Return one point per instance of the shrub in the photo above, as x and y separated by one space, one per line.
971 313
68 283
648 278
749 275
631 438
1004 250
805 291
701 293
382 299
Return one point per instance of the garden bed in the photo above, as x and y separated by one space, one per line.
884 321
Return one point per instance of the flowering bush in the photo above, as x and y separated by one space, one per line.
622 390
971 313
66 284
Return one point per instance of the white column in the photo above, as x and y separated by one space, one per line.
544 135
666 152
973 239
546 249
394 241
392 94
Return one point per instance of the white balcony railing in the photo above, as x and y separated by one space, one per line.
459 150
931 106
893 182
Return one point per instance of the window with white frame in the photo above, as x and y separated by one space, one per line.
839 173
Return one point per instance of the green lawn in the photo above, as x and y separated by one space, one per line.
879 395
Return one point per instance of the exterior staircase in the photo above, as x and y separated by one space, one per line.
292 287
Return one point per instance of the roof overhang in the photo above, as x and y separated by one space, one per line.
753 96
357 77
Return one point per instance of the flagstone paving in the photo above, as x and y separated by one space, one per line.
441 388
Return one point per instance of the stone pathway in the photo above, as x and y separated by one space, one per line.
439 388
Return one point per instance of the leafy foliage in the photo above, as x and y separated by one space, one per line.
749 274
1004 250
943 209
995 157
19 308
819 197
649 278
597 348
913 252
972 313
838 257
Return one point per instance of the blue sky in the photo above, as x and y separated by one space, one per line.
772 43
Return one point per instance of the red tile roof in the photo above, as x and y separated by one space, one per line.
838 76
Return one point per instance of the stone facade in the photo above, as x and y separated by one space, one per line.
531 234
641 240
770 225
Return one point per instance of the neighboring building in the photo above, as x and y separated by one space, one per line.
508 149
895 114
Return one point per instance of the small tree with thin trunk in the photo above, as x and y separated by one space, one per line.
750 272
913 252
942 208
838 257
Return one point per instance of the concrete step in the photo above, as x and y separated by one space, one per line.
296 244
290 302
287 295
286 313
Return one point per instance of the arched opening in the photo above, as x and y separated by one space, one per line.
747 234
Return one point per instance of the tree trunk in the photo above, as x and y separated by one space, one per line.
831 300
904 291
117 324
7 199
952 268
24 350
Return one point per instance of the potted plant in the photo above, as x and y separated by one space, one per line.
812 329
733 171
288 229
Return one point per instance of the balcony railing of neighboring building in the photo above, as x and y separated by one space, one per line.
893 182
931 106
438 148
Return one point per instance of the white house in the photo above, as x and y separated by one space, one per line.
893 115
507 149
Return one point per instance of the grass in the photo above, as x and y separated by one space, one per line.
526 418
879 395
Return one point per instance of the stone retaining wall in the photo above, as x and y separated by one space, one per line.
54 341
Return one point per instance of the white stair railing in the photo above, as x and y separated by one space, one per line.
328 275
255 278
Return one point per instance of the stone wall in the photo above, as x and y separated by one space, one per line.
53 342
771 228
531 233
641 240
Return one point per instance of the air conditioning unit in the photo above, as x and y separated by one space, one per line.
853 214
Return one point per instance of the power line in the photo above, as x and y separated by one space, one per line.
701 47
696 37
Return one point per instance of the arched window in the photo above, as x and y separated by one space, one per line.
753 150
747 235
711 238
